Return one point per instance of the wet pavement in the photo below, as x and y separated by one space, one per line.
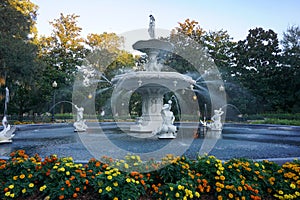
273 142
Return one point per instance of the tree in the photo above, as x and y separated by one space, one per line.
18 53
62 53
291 67
256 67
107 59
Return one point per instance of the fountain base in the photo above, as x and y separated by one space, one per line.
167 136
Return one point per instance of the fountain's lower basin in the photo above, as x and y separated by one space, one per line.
278 143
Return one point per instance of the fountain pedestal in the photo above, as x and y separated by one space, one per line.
152 101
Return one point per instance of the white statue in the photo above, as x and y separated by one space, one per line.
79 125
167 130
6 134
216 123
151 29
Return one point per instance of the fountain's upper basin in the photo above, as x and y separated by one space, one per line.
171 80
149 45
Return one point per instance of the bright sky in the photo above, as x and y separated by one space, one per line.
119 16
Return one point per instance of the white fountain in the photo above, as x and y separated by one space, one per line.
152 84
6 134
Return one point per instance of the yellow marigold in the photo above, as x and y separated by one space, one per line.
108 188
31 185
293 186
7 194
230 195
126 166
240 188
15 178
171 188
218 189
115 198
109 177
197 194
24 191
220 197
67 173
11 186
115 184
222 178
12 195
100 190
43 188
128 180
180 187
177 195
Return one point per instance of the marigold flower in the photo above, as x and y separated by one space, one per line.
240 188
108 188
75 195
24 190
31 185
61 197
43 188
115 184
11 186
109 177
22 176
177 195
293 186
230 195
100 191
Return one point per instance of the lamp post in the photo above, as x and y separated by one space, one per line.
54 85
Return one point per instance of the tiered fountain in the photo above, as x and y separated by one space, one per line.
152 84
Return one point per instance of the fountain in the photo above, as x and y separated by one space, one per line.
153 84
6 134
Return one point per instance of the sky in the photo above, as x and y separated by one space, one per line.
120 16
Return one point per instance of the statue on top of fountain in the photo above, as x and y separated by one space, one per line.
79 125
151 29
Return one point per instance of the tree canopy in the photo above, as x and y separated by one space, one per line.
261 73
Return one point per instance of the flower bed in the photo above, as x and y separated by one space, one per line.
24 177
